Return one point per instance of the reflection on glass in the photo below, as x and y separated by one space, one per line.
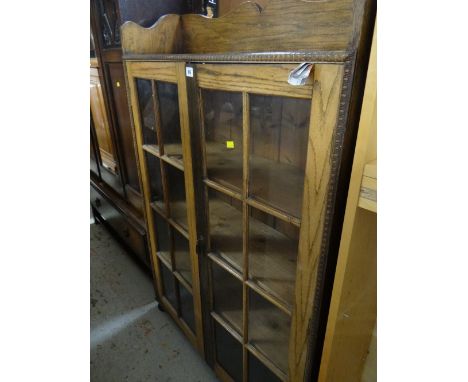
228 353
168 285
145 102
258 372
223 136
182 256
269 330
186 307
279 129
170 120
227 296
177 201
155 180
273 246
225 219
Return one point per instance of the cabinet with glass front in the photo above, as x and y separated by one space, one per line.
242 174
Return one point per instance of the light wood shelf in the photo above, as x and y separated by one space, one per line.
226 232
368 192
275 184
269 330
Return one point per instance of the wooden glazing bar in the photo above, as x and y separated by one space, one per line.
157 114
245 211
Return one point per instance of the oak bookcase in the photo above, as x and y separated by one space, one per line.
245 176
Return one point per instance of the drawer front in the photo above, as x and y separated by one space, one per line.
119 224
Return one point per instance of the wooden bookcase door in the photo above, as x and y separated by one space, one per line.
159 108
251 200
265 163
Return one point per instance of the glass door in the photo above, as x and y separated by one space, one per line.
255 137
161 138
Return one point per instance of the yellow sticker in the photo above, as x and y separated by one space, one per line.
230 144
118 84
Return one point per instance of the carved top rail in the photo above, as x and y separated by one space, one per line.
285 30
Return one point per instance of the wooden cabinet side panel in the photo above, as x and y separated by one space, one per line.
323 121
353 303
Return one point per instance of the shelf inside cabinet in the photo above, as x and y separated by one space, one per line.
224 165
285 193
177 163
226 232
269 329
183 281
165 258
227 296
159 208
174 151
174 160
272 261
152 149
179 214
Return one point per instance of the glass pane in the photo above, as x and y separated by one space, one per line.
258 372
163 239
170 121
279 129
155 180
227 296
186 307
148 121
168 285
269 330
228 353
177 201
273 246
223 136
225 228
182 256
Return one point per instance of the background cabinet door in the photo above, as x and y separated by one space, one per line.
101 123
123 125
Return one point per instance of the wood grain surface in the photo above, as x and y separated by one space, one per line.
325 106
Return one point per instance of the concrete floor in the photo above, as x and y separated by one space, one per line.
131 340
